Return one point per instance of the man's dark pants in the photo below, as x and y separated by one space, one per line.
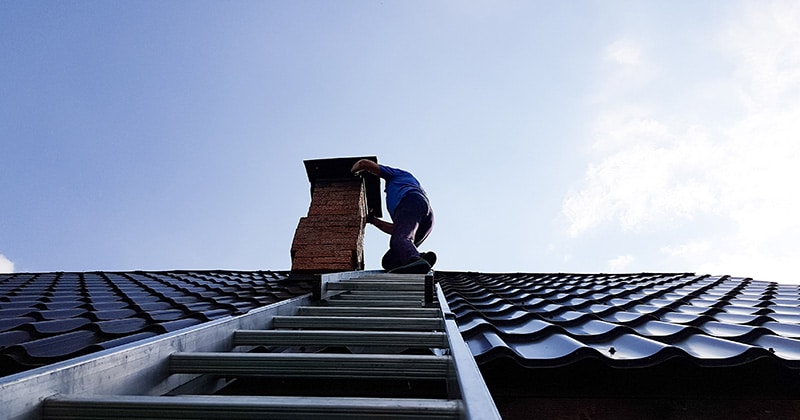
413 221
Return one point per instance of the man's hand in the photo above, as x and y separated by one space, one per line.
366 165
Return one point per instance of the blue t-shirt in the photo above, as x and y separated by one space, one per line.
398 184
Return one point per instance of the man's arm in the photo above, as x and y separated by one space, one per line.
373 168
366 165
384 226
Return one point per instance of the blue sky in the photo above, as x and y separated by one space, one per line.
584 136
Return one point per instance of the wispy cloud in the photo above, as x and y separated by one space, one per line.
625 68
6 265
653 169
648 177
765 40
625 52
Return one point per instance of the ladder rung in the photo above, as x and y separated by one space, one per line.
394 286
306 365
375 303
245 407
339 338
370 294
357 323
359 311
386 277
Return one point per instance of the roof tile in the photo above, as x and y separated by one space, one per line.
58 325
625 320
48 317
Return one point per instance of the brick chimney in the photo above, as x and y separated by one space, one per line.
331 237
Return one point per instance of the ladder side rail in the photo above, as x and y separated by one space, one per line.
478 403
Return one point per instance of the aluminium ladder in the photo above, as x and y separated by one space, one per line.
371 347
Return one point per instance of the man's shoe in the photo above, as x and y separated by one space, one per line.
429 256
418 266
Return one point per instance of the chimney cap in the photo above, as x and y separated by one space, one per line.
338 169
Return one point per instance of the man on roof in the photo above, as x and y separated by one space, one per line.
412 219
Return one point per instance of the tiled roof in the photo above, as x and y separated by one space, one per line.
50 317
624 320
536 320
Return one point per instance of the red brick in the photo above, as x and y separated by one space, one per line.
331 236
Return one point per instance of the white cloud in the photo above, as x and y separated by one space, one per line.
691 249
654 170
6 265
765 40
651 177
736 258
625 67
751 262
626 52
620 263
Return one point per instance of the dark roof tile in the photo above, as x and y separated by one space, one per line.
785 348
624 320
9 338
108 305
631 347
153 306
122 326
528 327
216 313
60 346
785 318
657 329
62 313
113 314
728 331
47 317
784 330
8 308
712 350
592 328
58 326
166 314
178 324
16 312
122 340
11 323
684 318
65 304
743 310
742 319
554 349
566 316
466 325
